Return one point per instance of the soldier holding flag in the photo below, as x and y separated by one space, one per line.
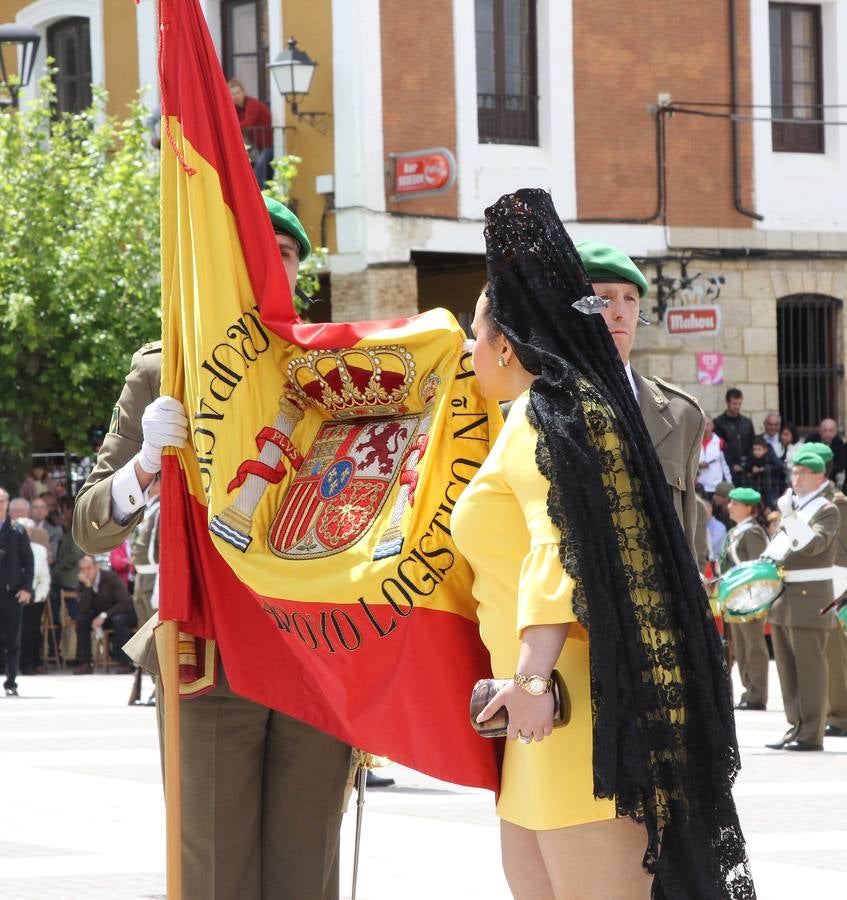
262 792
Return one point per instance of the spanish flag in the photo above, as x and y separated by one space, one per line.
306 527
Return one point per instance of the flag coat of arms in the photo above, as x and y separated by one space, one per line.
306 527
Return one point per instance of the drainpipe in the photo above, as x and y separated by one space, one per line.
733 78
661 177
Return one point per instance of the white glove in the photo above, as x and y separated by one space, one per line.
164 425
785 504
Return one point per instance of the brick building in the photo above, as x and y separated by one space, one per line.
706 139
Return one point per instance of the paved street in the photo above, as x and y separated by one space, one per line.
82 809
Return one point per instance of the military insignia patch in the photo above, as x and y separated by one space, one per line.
341 486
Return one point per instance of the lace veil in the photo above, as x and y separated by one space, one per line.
664 735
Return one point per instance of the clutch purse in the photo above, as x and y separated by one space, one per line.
496 726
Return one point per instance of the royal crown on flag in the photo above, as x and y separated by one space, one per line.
360 381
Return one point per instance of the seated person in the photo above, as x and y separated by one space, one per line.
103 602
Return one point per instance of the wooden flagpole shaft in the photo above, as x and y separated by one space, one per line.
169 669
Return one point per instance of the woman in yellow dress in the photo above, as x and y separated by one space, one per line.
581 565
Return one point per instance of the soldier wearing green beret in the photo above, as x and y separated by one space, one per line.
674 419
836 646
262 793
805 545
746 541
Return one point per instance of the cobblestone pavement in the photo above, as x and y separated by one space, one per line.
82 809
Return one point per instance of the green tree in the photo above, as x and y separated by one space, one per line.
79 267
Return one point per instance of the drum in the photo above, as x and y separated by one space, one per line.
748 590
842 614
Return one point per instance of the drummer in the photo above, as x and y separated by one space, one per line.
836 646
806 545
746 541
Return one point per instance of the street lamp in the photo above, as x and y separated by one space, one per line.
27 40
292 71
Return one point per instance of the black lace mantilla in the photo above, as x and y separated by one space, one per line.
663 727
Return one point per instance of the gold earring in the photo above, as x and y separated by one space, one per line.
501 361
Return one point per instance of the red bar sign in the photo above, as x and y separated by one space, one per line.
683 320
431 171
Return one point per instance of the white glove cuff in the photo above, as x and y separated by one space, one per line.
150 458
127 496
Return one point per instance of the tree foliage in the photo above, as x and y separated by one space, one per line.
79 266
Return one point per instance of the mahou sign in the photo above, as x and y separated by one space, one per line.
682 320
422 172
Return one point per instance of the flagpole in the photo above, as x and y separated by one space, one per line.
169 669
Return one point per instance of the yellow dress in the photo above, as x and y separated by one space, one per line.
500 524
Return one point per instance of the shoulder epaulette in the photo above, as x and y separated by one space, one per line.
675 389
152 347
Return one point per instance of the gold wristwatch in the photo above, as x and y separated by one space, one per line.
534 684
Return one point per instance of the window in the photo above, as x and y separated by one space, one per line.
507 101
796 81
68 42
245 45
810 372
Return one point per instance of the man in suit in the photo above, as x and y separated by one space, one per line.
103 602
16 573
674 419
806 546
827 433
262 792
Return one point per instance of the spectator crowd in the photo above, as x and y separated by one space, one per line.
57 603
733 454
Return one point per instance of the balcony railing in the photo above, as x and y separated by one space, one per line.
263 144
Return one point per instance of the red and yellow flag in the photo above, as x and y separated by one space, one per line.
307 526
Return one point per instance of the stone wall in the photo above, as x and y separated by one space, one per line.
378 292
748 334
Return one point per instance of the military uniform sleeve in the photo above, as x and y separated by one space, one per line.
141 544
545 590
825 526
696 424
95 528
701 535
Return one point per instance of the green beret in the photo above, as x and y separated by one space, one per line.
808 459
745 495
818 447
605 263
283 220
724 488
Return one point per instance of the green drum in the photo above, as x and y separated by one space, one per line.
842 614
748 590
